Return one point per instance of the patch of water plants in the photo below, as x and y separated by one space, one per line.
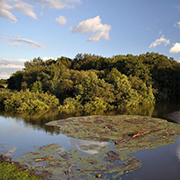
124 134
129 133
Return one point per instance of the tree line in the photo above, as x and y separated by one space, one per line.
92 83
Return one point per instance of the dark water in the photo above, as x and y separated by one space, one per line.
19 135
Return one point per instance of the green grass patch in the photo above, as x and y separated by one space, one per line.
10 171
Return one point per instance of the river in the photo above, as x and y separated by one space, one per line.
18 136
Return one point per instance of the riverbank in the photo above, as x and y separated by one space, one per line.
15 171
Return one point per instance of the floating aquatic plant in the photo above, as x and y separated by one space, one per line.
126 133
129 133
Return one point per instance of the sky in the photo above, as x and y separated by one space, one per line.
55 28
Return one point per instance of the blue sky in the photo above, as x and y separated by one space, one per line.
55 28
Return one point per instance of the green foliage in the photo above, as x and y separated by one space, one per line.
71 105
101 83
3 83
36 62
4 95
9 171
14 82
97 106
37 87
27 102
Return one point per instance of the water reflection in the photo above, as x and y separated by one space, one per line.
89 147
36 122
177 150
19 135
9 152
161 110
161 163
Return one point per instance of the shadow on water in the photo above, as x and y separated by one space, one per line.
167 111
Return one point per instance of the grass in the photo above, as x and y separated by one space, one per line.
11 172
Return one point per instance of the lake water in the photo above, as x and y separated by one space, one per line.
18 136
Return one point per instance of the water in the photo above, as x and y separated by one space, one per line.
161 163
18 136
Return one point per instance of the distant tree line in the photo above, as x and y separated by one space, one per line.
94 83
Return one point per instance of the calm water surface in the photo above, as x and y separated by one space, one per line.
18 136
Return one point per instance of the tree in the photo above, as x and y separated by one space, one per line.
37 87
14 82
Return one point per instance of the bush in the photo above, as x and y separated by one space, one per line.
27 102
71 105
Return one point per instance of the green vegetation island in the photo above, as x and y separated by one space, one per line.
91 84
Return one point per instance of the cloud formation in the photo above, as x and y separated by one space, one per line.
61 20
18 41
6 6
9 66
93 26
160 41
47 58
4 75
12 66
28 42
10 63
175 48
58 4
15 5
177 25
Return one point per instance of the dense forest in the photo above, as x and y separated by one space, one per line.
90 83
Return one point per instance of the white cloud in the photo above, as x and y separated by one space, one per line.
93 26
160 41
16 5
4 75
6 6
28 42
5 60
58 4
14 44
47 58
4 11
24 8
10 63
9 66
177 25
175 48
18 41
12 66
61 20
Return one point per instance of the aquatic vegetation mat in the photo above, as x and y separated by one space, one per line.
73 164
128 133
125 134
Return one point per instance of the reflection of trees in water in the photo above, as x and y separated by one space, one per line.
38 121
167 111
